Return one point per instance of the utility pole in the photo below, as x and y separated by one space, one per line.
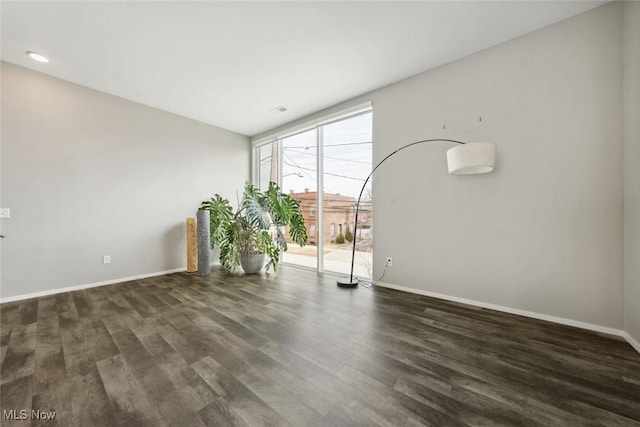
274 162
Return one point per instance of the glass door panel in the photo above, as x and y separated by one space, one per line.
299 165
324 169
346 161
267 160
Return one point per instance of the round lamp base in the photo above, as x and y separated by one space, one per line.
346 282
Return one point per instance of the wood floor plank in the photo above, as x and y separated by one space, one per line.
60 397
78 355
191 350
252 337
140 306
20 356
129 406
236 395
334 389
149 299
49 367
197 393
343 415
47 307
163 294
157 387
561 364
452 382
306 370
9 315
99 339
90 401
528 385
44 403
29 311
297 401
15 397
49 357
218 414
294 349
471 409
3 353
83 304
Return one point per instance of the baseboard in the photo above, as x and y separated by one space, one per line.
532 314
87 286
634 343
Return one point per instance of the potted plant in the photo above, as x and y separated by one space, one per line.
254 231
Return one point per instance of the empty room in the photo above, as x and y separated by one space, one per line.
320 213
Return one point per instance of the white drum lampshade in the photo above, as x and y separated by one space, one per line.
471 158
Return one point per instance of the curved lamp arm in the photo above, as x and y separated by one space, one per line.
476 160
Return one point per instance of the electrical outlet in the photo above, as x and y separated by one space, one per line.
106 259
5 213
389 261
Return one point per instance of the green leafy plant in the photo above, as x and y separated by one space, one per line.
257 226
340 239
348 235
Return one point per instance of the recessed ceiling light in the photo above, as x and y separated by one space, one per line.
37 57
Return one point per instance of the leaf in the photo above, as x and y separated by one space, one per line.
248 229
282 243
220 212
254 212
297 228
229 255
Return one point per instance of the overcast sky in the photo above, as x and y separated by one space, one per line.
347 157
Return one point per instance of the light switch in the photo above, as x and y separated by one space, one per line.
5 213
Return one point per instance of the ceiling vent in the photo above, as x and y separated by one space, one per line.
279 110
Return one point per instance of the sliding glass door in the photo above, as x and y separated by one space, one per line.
324 167
299 161
346 154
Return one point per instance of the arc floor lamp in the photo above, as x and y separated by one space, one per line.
465 159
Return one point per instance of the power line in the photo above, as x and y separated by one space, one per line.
306 147
295 165
334 158
326 173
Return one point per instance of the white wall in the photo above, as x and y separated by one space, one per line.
632 169
544 232
87 174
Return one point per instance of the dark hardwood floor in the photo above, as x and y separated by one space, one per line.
183 350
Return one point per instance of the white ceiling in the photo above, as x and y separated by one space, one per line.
230 63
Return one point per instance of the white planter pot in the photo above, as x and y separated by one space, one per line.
252 264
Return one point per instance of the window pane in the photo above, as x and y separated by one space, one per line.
299 179
346 162
347 158
267 165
